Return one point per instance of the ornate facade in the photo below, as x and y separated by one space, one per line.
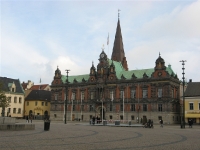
113 92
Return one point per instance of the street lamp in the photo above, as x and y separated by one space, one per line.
66 88
183 121
138 104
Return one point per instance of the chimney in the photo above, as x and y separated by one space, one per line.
190 80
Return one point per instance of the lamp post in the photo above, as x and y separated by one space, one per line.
81 106
72 109
123 106
66 88
183 121
138 104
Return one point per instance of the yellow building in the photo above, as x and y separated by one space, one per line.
192 102
37 104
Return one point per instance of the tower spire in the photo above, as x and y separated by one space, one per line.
118 48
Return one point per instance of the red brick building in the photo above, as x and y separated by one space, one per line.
112 91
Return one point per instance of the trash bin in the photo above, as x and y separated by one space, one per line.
129 123
104 123
117 122
46 125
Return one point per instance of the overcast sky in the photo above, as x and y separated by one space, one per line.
37 36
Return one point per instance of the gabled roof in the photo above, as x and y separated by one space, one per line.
39 95
8 82
193 89
39 87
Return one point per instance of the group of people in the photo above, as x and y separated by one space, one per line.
94 119
149 124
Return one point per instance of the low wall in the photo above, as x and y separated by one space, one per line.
7 120
17 127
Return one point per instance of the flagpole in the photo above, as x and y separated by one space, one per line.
108 44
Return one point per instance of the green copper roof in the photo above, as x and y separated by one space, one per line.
78 78
119 72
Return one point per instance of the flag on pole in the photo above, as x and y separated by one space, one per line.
108 39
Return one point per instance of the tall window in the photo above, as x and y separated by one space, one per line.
56 97
20 100
144 107
159 107
199 106
132 93
82 95
121 107
122 94
191 106
132 107
14 110
46 103
111 95
15 99
35 103
132 117
73 107
111 107
8 110
73 96
144 93
92 95
27 103
91 108
19 111
172 93
159 92
42 103
82 107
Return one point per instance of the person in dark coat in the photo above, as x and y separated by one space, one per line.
93 120
161 123
27 119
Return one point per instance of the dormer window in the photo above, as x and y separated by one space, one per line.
13 89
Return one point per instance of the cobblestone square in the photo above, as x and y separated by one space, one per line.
82 136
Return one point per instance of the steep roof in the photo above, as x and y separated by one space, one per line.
39 87
193 89
9 81
119 72
78 78
39 95
118 48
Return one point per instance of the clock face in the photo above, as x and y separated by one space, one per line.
102 55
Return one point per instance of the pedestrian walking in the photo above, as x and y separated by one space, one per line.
93 120
161 123
31 118
27 119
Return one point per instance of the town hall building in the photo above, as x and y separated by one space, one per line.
112 91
